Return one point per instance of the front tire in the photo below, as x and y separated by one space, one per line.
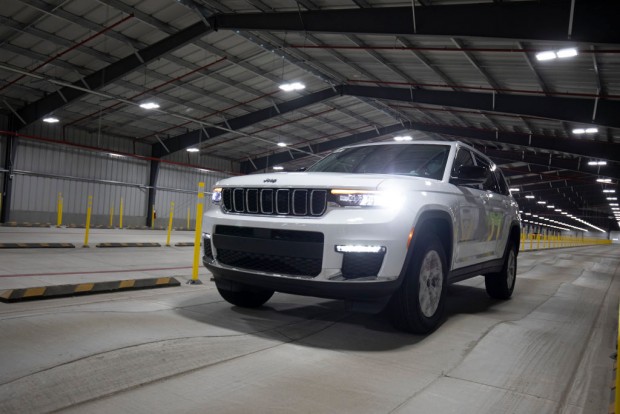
419 303
244 296
501 285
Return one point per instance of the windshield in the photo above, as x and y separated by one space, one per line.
422 160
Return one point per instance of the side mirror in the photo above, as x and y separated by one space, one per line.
470 175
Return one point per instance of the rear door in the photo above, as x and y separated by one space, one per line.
471 217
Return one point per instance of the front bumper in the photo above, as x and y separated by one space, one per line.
355 290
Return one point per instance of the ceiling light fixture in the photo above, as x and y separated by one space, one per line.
192 149
597 163
548 55
609 191
529 196
514 190
603 180
565 53
278 167
562 54
51 120
542 202
403 138
282 144
293 86
580 131
149 105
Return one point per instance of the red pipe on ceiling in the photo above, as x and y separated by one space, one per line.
99 149
75 46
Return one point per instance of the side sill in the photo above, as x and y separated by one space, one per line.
492 266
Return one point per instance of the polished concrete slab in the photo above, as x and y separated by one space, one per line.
183 349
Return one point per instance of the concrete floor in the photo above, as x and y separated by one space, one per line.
184 349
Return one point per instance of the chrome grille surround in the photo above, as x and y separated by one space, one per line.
298 202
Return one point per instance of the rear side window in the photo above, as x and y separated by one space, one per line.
463 157
491 183
501 180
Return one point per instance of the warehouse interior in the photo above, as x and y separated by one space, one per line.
121 107
469 72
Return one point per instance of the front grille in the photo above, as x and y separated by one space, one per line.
289 252
356 265
273 201
270 263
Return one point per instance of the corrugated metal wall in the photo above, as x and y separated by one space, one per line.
88 138
44 170
203 160
180 185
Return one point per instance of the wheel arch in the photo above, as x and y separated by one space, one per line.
439 223
514 236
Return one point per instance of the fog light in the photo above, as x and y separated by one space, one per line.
355 248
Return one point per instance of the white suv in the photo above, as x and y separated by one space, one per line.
388 224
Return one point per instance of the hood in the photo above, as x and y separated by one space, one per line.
321 180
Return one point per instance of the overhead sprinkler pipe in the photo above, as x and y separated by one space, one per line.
108 108
444 49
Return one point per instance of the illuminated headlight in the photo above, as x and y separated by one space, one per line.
216 196
354 248
363 198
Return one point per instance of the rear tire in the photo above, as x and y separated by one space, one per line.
245 296
501 285
418 305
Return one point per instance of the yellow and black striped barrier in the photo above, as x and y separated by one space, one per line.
25 224
49 292
184 244
128 245
36 245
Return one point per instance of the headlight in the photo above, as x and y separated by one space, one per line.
216 196
365 198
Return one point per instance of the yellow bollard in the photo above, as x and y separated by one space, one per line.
538 241
59 210
170 223
112 216
88 213
523 240
120 215
197 234
531 236
188 213
153 217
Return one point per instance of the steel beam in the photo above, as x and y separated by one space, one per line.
275 159
188 139
594 21
102 77
590 149
561 108
7 177
153 174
